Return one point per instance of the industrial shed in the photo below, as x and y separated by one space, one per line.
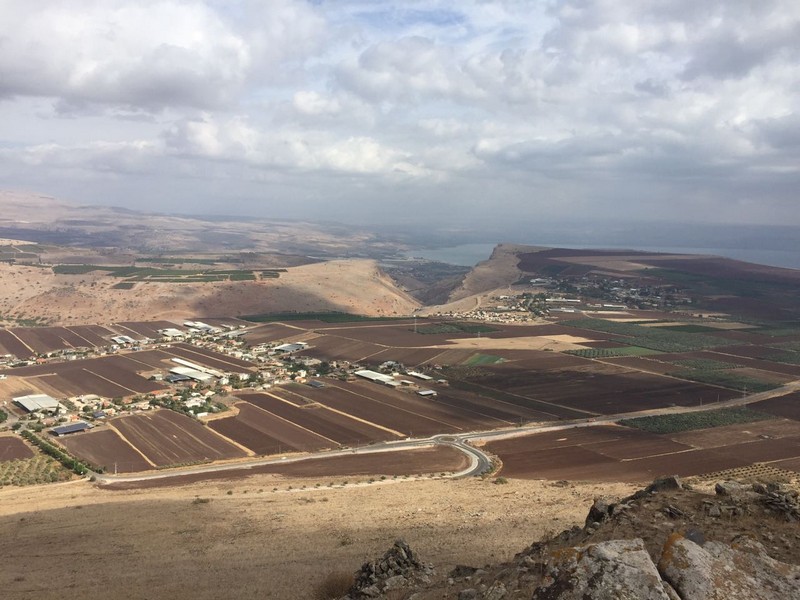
192 374
296 347
376 377
71 428
34 402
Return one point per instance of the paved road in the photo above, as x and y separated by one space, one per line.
479 461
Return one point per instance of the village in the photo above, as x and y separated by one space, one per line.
191 387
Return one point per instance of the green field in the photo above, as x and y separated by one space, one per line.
454 327
31 471
791 346
704 364
696 420
482 359
690 328
179 261
325 317
727 379
158 275
612 352
789 358
654 338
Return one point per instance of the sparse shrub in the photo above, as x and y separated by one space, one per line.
229 492
199 500
335 585
500 480
345 540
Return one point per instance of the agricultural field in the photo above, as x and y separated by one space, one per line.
787 406
408 463
728 379
166 438
108 376
120 375
497 377
454 327
592 389
654 338
105 449
13 448
24 342
612 352
20 464
131 275
37 469
301 418
616 453
696 420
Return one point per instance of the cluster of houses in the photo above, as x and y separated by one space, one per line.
393 381
197 388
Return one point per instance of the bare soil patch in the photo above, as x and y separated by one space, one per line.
167 438
13 448
159 539
105 448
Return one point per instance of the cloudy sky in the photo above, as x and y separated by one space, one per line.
476 111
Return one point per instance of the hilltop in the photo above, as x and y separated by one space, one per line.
356 286
663 542
65 264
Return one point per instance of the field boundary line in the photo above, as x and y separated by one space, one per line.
112 381
189 433
338 412
89 344
188 348
311 431
400 408
244 449
578 410
21 341
127 441
285 401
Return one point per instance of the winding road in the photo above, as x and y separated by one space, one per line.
479 461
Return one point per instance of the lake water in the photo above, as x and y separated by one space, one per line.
469 255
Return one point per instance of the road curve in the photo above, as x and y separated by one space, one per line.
479 461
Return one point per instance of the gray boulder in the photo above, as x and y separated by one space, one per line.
719 571
619 569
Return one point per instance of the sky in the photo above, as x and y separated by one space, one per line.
472 112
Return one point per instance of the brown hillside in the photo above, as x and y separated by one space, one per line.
356 286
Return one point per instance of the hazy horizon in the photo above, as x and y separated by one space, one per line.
485 115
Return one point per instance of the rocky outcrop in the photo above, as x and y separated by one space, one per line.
665 542
616 569
398 568
719 571
623 569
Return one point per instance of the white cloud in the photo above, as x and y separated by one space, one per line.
610 105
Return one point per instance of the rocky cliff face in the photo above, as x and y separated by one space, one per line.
665 542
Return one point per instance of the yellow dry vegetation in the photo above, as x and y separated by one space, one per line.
355 286
557 343
202 542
